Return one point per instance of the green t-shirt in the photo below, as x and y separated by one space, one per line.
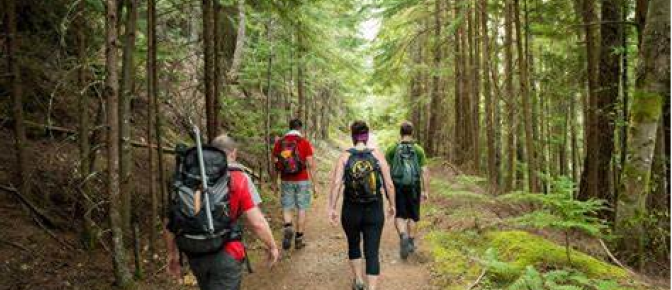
422 158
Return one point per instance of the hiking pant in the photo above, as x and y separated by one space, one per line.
218 271
364 221
407 199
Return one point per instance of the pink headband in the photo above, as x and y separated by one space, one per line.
361 137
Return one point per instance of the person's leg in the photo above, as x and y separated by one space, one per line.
226 273
200 266
414 216
372 231
288 201
401 221
351 222
303 202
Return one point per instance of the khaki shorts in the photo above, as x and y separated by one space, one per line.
296 195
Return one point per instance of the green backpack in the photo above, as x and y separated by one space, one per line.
405 165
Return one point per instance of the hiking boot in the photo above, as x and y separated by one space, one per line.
358 285
299 243
404 246
411 243
288 235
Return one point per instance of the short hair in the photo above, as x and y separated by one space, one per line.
359 127
295 124
225 143
406 129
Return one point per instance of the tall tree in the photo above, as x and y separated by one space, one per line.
125 98
493 172
151 116
121 273
88 235
14 67
596 181
652 87
511 98
525 97
209 69
436 83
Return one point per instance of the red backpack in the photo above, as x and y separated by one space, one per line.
289 160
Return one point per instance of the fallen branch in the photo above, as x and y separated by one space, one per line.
477 280
613 258
16 245
33 208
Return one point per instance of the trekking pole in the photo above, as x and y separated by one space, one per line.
204 178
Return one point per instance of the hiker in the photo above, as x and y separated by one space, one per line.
293 157
362 171
216 260
408 167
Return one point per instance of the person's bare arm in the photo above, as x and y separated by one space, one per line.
425 183
174 267
389 186
335 188
259 226
312 171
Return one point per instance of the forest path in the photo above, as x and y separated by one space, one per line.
323 263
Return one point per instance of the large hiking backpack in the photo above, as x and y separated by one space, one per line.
362 177
191 225
289 160
405 165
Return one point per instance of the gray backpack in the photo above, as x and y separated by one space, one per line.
207 229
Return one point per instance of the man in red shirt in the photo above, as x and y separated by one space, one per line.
223 270
294 160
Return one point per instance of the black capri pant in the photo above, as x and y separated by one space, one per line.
364 221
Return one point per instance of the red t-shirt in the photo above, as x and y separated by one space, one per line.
305 150
241 202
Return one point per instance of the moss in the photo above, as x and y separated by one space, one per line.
522 249
459 258
646 107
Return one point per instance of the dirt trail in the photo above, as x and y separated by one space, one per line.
323 263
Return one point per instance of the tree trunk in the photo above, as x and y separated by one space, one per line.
14 67
267 110
88 237
125 99
487 93
597 179
208 70
151 116
512 104
301 106
651 89
525 96
121 273
436 79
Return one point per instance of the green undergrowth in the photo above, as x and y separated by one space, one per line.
517 260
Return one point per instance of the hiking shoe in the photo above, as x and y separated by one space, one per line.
299 243
358 285
287 238
411 245
404 246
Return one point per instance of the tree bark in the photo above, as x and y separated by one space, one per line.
487 93
436 80
87 236
126 95
525 96
16 91
596 181
208 70
651 89
151 116
512 103
121 273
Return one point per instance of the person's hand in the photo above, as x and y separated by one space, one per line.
273 254
333 217
174 268
425 196
392 211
